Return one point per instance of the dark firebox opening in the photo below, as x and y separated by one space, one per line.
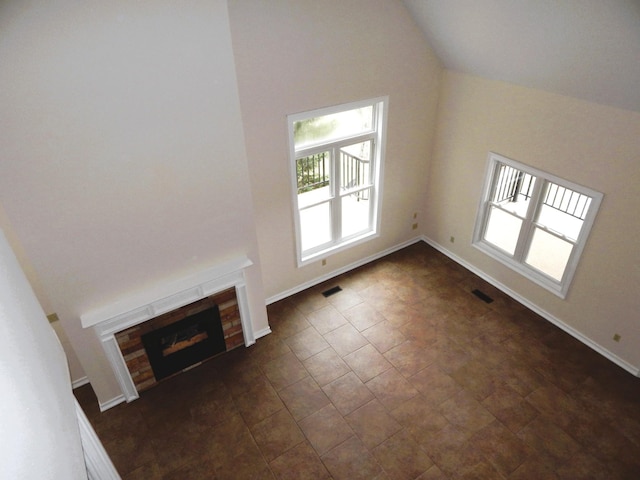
184 343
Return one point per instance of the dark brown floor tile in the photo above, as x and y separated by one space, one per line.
148 471
455 462
372 424
345 339
419 418
397 313
478 379
556 404
583 466
277 434
363 316
326 366
273 346
309 300
552 443
419 330
409 357
259 402
434 473
401 457
345 299
199 468
383 336
307 343
504 450
299 463
284 370
519 377
351 460
531 469
510 408
465 412
347 393
434 385
326 319
325 429
303 398
391 388
367 362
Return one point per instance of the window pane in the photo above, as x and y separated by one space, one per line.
564 210
502 230
549 254
355 164
513 189
334 126
313 177
355 212
315 226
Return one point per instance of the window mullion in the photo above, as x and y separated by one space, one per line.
336 200
526 230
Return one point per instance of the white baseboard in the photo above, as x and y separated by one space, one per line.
79 382
262 333
112 403
340 271
535 308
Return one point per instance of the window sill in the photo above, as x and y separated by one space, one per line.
552 286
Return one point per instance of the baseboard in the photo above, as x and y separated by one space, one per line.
112 403
79 382
535 308
340 271
262 333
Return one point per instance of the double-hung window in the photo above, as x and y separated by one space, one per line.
336 164
534 222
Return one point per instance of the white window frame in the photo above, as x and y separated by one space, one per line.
517 260
377 135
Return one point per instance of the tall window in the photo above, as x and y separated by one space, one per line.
336 164
534 222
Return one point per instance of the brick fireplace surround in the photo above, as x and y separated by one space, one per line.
135 355
120 324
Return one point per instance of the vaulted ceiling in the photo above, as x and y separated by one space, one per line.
589 49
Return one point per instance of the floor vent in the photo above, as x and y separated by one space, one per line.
331 291
482 296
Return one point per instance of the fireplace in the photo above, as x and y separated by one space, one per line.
181 338
121 324
185 343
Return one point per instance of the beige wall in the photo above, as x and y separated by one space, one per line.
589 144
122 152
298 55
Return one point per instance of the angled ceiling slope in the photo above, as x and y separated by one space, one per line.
588 49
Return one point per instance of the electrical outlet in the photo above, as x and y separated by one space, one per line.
452 239
616 337
414 226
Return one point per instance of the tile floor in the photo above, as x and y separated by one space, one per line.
404 374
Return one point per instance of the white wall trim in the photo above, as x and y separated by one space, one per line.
104 406
340 271
535 308
99 465
79 382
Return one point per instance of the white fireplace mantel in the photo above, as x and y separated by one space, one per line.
161 298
